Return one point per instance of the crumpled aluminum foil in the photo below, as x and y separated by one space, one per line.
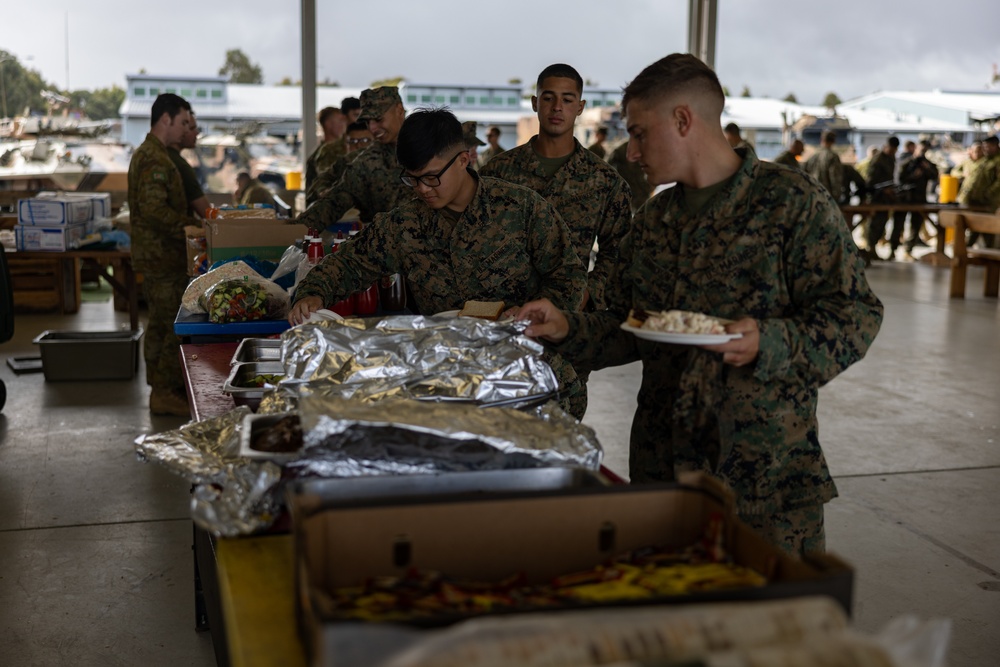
377 364
347 438
233 495
417 357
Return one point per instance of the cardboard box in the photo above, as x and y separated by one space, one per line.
100 202
56 238
487 538
54 211
262 238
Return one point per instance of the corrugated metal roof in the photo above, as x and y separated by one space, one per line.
252 102
983 105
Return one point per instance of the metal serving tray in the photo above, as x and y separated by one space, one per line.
238 384
257 349
316 494
254 424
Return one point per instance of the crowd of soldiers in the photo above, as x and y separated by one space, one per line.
571 240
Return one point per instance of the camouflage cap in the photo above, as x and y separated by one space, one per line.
469 134
376 101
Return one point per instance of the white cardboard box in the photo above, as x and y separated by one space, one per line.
54 211
52 238
100 202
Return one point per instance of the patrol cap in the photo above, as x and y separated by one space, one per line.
376 101
469 134
992 140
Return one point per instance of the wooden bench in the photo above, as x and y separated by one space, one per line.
963 257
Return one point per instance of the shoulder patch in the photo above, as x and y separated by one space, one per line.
158 175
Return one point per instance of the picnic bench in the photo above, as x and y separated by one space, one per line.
963 257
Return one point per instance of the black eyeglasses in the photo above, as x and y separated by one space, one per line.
430 180
358 140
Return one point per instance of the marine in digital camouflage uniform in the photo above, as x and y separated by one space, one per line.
824 165
632 173
159 212
789 157
333 122
371 182
592 199
765 247
507 244
323 159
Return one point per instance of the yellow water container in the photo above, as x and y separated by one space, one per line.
293 180
947 189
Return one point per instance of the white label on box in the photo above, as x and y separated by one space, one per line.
54 211
35 237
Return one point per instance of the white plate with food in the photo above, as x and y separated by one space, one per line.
679 327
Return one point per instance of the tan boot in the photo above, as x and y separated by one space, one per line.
164 402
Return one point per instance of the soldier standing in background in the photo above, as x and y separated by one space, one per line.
472 142
371 182
983 191
592 199
633 175
197 202
334 123
494 148
917 172
740 239
249 191
159 212
597 148
789 157
882 189
825 167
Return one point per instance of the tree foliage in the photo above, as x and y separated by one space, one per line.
99 104
746 92
831 100
790 97
21 91
239 69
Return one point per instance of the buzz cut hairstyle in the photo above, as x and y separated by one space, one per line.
828 136
326 112
167 103
426 134
560 70
679 74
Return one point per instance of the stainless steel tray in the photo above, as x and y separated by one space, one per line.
252 425
317 494
239 386
257 349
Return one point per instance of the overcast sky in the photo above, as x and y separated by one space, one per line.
850 47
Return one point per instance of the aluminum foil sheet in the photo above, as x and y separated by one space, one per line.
232 495
347 438
417 357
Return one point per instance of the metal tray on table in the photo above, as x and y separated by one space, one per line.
240 383
257 349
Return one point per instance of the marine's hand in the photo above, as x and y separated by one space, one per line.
740 351
547 321
303 308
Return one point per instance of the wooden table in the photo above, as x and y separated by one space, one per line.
124 284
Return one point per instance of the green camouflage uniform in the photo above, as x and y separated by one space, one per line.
882 169
983 189
320 162
508 245
633 175
329 178
825 167
192 188
590 196
256 194
488 154
787 159
370 183
598 150
772 246
158 209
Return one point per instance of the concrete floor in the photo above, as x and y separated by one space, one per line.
95 548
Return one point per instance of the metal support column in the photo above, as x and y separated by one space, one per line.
308 78
702 26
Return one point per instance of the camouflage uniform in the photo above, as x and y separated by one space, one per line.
633 175
598 150
488 154
508 245
882 170
370 183
787 159
772 246
256 193
983 189
590 196
158 209
320 162
192 188
825 167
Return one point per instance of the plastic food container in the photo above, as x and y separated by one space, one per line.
89 355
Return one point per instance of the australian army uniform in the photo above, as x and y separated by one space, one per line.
770 245
591 198
508 245
158 208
